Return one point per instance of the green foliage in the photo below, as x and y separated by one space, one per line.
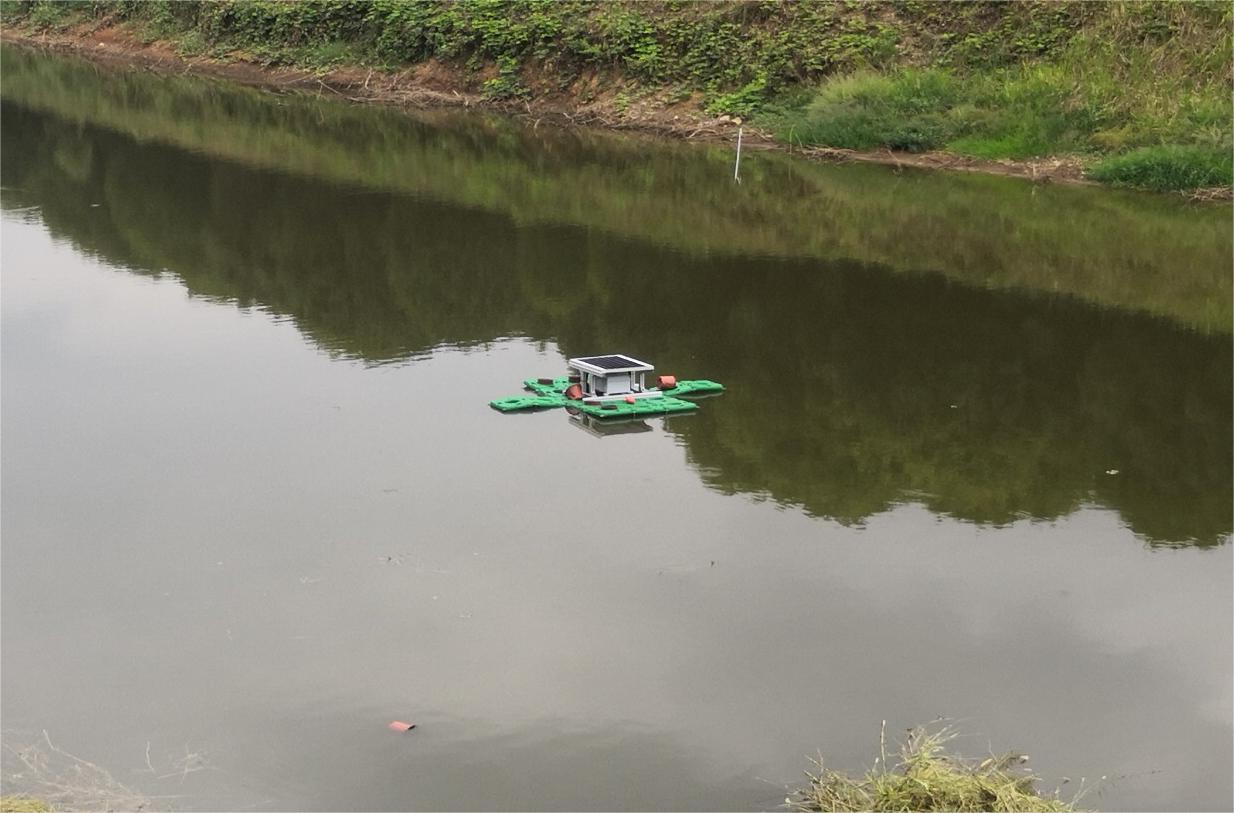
627 38
745 101
1013 113
1022 113
44 14
326 54
988 36
738 53
15 11
167 20
506 84
927 778
1167 168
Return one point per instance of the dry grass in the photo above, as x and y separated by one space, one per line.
50 778
23 804
927 778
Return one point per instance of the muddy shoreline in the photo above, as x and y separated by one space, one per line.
433 85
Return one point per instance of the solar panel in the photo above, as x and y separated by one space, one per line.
611 362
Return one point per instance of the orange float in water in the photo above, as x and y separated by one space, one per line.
667 382
574 392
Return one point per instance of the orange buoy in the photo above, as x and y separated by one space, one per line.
667 382
630 399
574 392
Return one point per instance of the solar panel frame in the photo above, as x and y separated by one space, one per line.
613 363
610 362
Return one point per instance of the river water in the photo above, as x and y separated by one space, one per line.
974 461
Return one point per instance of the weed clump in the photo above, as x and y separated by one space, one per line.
866 110
928 779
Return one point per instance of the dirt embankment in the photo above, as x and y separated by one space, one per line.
436 84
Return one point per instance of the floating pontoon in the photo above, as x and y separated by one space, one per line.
613 386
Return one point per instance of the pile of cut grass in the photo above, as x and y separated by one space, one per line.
929 779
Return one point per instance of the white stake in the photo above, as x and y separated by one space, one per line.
737 166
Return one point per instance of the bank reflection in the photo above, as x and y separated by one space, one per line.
852 385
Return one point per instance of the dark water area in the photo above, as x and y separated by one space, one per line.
974 461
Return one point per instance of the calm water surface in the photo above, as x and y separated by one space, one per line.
974 461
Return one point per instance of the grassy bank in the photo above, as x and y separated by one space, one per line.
1141 89
1139 92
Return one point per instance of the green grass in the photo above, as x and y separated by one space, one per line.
1167 168
1024 112
927 778
1013 113
865 110
1149 80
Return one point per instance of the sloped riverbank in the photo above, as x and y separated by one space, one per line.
829 80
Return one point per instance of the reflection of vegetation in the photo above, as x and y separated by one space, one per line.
1115 249
842 374
983 407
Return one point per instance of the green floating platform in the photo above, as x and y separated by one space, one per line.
550 394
